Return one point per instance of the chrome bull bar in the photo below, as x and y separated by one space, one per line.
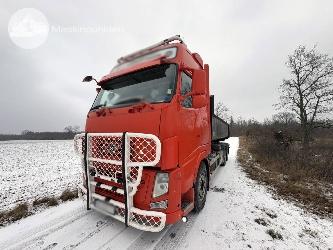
106 156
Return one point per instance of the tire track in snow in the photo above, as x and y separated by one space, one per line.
45 230
111 239
148 240
98 229
173 238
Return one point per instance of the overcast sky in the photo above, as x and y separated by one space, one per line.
246 44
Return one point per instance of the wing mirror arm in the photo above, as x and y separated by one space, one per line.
89 79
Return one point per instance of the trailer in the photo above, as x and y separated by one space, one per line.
152 141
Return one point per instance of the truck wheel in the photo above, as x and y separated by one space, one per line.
200 188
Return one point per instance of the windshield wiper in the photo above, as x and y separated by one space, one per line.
98 106
129 100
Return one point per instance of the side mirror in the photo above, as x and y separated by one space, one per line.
89 79
199 101
199 88
199 84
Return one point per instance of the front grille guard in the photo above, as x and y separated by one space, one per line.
110 155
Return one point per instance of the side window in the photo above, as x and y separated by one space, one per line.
186 87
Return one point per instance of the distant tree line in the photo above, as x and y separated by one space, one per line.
306 98
284 123
68 134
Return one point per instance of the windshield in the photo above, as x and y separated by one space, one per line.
153 85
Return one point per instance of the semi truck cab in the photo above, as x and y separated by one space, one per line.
151 138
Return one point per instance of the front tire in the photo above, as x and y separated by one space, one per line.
200 188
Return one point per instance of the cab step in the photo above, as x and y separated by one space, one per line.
187 207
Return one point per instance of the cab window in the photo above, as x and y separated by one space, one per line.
186 87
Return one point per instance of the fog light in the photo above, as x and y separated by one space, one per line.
161 184
159 205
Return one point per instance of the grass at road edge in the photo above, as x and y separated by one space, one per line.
307 194
23 210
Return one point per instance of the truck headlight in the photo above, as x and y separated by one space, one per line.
161 184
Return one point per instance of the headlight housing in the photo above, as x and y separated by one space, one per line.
161 184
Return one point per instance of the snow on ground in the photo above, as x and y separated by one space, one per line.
226 222
30 169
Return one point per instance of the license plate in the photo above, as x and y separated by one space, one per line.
105 206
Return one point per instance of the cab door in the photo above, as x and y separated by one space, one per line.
186 122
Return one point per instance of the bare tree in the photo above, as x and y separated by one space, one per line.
285 118
309 91
72 129
222 111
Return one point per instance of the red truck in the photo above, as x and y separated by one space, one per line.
151 140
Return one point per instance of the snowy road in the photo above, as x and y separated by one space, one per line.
227 221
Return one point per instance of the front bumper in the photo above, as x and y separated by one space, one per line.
145 220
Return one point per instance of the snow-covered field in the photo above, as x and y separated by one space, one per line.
226 222
31 169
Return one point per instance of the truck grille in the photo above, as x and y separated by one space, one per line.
105 148
141 150
104 155
113 172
